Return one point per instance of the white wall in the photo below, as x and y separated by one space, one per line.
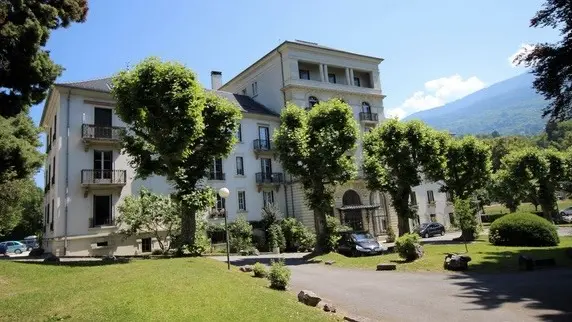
441 209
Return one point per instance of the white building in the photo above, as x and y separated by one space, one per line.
87 176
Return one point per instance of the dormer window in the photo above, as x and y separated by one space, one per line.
312 100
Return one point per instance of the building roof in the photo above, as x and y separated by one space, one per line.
246 103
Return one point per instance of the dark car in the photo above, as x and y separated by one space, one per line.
356 243
429 229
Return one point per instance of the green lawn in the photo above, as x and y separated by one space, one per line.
497 209
485 257
182 289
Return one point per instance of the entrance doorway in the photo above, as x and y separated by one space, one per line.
352 217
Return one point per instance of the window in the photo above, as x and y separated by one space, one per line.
239 133
102 123
54 169
266 167
254 88
53 215
332 78
216 170
48 139
48 215
242 200
239 166
101 211
55 127
49 175
433 217
357 82
244 91
264 138
220 202
268 197
413 198
365 107
304 74
102 164
430 196
312 100
146 245
449 197
101 244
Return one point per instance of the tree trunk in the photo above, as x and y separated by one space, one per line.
188 227
321 234
403 225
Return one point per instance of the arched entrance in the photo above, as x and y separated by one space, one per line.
352 215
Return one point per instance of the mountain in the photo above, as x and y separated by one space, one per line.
511 106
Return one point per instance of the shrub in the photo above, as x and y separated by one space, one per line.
332 233
157 252
466 219
240 234
523 229
298 236
408 247
202 241
276 237
259 270
271 214
279 275
390 235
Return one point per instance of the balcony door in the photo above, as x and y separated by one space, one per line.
264 137
102 165
102 213
102 122
266 168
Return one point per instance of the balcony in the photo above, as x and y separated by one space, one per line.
263 148
101 135
368 117
101 222
269 180
102 179
217 176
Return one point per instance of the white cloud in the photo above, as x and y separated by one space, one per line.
437 92
524 48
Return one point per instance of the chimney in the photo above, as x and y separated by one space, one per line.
216 80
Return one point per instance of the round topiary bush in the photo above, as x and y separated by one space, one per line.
523 229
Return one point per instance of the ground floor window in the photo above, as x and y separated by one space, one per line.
268 197
146 245
102 211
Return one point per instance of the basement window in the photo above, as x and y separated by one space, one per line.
102 244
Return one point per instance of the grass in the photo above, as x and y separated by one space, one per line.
528 207
182 289
485 257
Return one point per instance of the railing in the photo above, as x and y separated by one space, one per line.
262 145
368 116
270 178
98 222
112 133
216 176
103 176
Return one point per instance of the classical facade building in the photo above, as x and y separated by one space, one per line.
87 176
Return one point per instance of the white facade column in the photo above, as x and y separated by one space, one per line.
348 76
322 72
352 76
326 79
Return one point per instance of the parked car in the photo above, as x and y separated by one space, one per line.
566 215
356 243
15 247
429 229
31 242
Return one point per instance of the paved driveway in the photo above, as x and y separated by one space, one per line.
393 296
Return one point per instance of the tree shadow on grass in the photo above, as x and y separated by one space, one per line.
545 290
77 263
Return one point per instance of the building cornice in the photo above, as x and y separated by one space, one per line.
332 88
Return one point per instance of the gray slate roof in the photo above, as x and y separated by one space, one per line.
246 103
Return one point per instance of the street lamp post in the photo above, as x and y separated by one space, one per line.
224 193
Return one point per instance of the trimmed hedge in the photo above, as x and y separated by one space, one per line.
523 229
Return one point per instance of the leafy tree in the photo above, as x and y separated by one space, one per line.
175 129
26 73
558 135
552 63
20 207
503 145
465 211
467 170
543 170
317 148
506 190
240 234
26 70
150 213
396 156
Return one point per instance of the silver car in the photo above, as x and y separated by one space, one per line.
566 215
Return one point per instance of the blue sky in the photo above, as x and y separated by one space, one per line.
435 51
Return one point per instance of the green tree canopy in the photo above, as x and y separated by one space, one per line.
552 63
175 129
317 148
21 207
396 155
